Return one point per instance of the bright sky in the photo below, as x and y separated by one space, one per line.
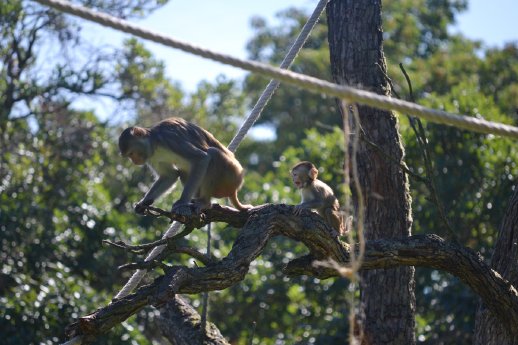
224 26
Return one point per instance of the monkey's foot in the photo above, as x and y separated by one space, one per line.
141 206
182 209
200 205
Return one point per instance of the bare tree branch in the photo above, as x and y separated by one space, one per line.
263 223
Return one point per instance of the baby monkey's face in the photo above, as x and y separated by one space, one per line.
300 177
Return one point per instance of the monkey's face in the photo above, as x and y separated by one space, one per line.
136 157
300 178
137 149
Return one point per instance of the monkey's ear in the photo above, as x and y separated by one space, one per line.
139 132
313 173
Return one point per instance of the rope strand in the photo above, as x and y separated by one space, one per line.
274 84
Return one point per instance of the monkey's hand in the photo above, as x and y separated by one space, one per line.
141 206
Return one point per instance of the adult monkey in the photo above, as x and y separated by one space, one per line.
316 194
175 148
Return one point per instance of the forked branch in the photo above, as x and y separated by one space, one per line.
262 223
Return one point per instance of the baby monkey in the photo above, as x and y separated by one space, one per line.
317 195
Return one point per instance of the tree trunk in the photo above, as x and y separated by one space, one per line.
387 296
488 329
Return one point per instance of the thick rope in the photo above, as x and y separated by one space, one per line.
306 82
274 84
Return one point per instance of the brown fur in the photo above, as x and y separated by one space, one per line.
177 148
317 195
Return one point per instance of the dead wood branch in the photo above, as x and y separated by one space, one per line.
265 222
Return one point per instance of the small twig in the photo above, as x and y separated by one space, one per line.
388 79
378 149
143 265
118 244
204 258
408 81
137 249
420 133
423 142
142 248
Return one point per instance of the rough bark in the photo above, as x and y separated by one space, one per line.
263 223
355 42
181 325
489 329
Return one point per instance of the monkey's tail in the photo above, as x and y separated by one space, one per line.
235 201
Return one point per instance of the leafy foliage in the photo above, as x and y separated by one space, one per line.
55 210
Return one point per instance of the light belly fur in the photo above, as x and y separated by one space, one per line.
166 158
